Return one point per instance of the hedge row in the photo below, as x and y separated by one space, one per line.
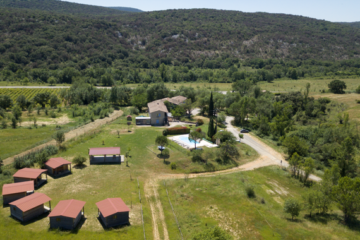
176 130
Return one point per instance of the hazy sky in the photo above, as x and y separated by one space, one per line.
331 10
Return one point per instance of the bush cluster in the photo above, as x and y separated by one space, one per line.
39 156
176 130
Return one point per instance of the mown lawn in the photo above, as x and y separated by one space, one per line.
97 182
203 203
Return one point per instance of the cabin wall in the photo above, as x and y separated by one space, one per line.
77 219
16 212
108 159
33 213
61 222
17 179
13 197
157 118
117 219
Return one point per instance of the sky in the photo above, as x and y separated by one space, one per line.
330 10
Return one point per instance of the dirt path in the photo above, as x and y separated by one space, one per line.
72 134
152 196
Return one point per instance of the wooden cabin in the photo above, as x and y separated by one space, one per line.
14 191
101 155
67 214
113 212
58 166
30 174
30 207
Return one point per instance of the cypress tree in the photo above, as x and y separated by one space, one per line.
211 116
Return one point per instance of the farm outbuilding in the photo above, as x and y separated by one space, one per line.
99 155
30 207
14 191
30 174
67 214
58 166
113 212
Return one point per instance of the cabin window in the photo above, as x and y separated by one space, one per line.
159 115
14 208
114 217
58 219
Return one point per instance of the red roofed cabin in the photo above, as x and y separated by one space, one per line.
30 206
98 155
113 212
14 191
58 166
30 174
67 214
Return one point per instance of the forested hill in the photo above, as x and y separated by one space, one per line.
60 7
353 24
41 39
127 9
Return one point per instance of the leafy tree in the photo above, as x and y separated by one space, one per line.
107 80
211 130
5 101
42 98
54 101
188 106
225 136
157 91
21 101
51 80
337 86
16 111
79 160
161 141
229 150
293 207
242 86
310 201
13 122
344 156
308 167
295 144
139 98
3 124
59 137
347 195
295 162
196 137
178 111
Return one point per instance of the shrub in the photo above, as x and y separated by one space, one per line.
13 122
293 207
165 152
250 192
177 130
198 130
38 156
52 114
79 160
200 122
173 166
134 110
165 132
3 124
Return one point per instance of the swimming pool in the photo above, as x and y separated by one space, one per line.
186 140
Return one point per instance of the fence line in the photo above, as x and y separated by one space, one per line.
142 214
177 222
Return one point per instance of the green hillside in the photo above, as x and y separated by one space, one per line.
59 7
352 24
127 9
193 38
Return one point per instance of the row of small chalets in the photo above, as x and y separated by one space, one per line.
25 204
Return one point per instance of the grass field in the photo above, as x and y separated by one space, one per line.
203 203
299 85
29 93
97 182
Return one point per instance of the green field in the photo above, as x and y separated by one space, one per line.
299 85
203 203
29 93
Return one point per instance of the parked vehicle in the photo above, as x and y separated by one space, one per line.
244 130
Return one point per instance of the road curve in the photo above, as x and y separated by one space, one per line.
268 155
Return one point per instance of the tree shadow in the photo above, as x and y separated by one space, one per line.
322 218
296 220
42 216
82 166
61 175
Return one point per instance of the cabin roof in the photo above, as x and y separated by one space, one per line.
29 173
67 208
31 201
111 206
20 187
104 151
56 162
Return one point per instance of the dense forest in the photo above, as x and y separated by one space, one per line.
61 7
127 9
172 46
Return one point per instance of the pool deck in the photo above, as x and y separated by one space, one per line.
188 145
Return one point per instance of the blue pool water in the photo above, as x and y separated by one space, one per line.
186 140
